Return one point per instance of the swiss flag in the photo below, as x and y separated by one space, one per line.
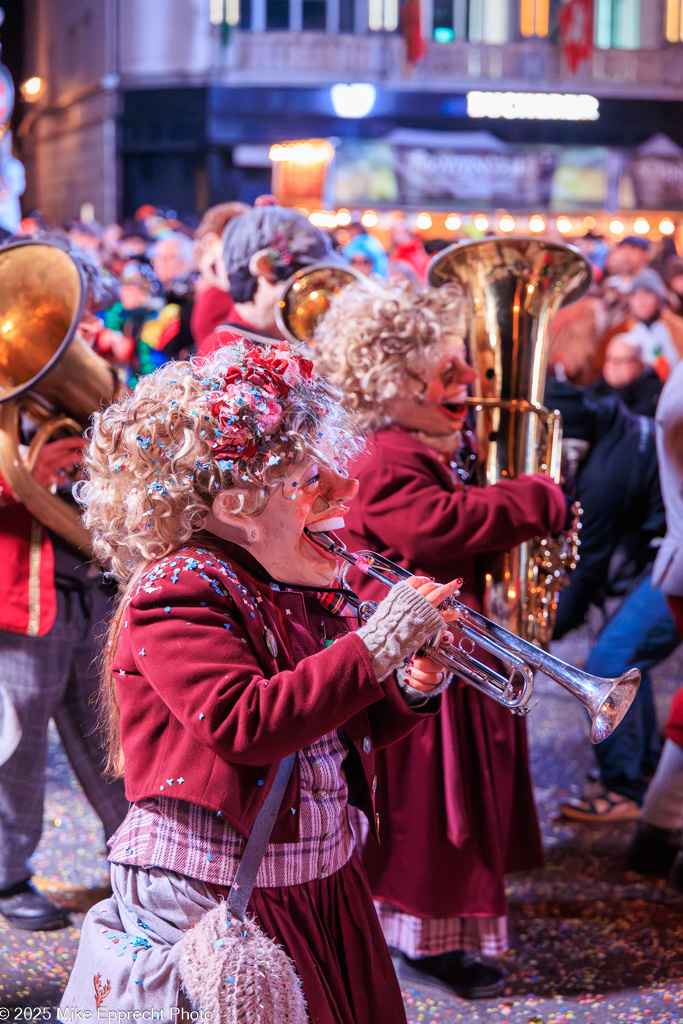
409 23
576 32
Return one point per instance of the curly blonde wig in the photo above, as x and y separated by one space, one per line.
156 457
378 344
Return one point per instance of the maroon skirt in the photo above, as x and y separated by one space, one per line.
329 927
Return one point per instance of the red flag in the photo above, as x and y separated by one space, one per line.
576 32
409 23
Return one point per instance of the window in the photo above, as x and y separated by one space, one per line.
534 17
673 21
347 21
230 12
277 14
617 24
443 21
382 14
479 21
488 21
313 15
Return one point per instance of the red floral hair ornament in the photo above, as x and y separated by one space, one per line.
248 400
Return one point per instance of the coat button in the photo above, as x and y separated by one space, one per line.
367 745
271 642
374 784
320 794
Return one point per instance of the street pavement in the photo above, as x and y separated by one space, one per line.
591 942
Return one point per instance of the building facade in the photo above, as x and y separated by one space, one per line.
176 102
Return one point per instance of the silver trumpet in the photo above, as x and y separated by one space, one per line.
605 700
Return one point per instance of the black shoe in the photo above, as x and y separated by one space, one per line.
676 876
458 971
652 850
24 907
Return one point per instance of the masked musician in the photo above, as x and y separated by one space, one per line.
228 652
53 606
456 801
261 249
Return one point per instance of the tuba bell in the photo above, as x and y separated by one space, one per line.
306 297
47 370
514 286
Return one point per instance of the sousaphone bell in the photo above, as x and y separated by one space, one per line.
47 370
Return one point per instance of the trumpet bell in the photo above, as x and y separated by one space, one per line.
46 369
307 295
606 710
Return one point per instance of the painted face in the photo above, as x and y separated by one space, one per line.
312 498
440 409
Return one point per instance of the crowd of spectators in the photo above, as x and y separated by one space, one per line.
622 338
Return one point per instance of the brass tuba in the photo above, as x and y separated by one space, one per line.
306 297
47 370
514 286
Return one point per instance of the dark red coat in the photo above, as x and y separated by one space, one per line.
457 809
219 677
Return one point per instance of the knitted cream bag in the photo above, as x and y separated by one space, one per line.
231 968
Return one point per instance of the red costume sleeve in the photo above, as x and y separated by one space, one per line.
198 658
6 495
211 308
407 497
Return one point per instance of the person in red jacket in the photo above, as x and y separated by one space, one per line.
458 808
230 650
261 249
53 605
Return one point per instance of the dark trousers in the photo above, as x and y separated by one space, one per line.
54 676
641 634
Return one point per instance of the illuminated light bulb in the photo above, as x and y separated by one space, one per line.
641 226
343 218
616 227
354 100
369 219
564 225
318 218
453 222
481 222
32 86
536 223
507 223
423 221
667 226
589 223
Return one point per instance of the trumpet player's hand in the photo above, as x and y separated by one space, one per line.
58 461
436 593
424 674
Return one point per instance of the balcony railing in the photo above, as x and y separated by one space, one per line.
288 58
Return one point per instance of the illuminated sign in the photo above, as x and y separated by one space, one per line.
534 106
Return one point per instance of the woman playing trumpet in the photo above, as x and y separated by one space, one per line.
456 804
202 489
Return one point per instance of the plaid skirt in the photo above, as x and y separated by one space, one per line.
128 953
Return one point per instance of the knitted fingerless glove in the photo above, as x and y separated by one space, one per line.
403 622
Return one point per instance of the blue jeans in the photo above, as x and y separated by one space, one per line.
641 634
